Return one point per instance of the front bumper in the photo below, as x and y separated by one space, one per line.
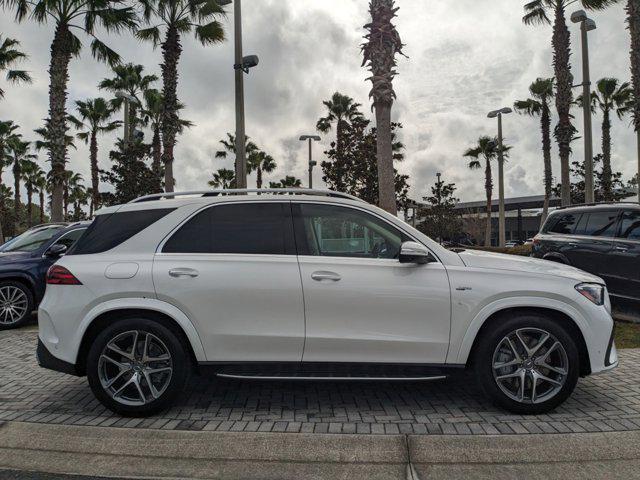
47 360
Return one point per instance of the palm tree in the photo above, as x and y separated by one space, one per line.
287 182
229 147
223 179
95 118
177 17
260 162
42 187
130 79
31 173
633 19
610 95
380 49
71 181
9 56
537 12
78 197
20 152
341 110
67 15
487 149
539 104
7 131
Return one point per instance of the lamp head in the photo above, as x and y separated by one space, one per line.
315 138
579 16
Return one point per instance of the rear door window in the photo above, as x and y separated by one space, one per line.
630 225
564 223
244 228
601 224
110 230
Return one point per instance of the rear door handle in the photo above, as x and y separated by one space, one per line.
331 276
183 272
622 249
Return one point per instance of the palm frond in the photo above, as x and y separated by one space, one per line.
103 53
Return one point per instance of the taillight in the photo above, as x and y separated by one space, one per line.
58 275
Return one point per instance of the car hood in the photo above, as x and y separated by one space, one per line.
515 263
12 257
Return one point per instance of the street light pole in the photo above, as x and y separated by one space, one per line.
310 138
127 126
502 238
241 154
586 25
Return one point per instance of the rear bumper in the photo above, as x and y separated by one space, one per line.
47 360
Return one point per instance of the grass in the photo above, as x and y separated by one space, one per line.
627 335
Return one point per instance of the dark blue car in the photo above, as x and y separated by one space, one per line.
24 262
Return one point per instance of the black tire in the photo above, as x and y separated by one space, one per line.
26 316
179 359
491 339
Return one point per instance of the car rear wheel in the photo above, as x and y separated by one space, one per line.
528 364
137 367
16 305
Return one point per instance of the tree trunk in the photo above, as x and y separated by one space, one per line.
488 186
564 130
259 177
156 163
29 206
633 19
340 161
16 193
57 125
41 194
93 156
386 175
545 120
65 203
171 51
607 192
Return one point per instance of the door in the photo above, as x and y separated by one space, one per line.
232 269
361 303
593 242
624 276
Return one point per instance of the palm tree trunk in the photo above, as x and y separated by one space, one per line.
340 158
386 175
65 202
57 125
171 51
606 157
259 177
156 167
564 130
16 190
545 120
488 186
633 19
41 193
29 206
95 185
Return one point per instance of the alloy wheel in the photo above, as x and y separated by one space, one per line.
135 368
13 304
530 365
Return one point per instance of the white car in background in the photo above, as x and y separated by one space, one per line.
301 284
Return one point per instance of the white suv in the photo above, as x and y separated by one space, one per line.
301 284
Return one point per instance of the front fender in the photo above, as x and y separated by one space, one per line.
517 302
145 304
556 257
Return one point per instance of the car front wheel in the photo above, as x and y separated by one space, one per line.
527 364
137 367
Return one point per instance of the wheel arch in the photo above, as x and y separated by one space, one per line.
168 316
567 321
556 257
23 278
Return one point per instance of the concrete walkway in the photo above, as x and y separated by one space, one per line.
130 453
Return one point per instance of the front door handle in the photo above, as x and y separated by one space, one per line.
331 276
183 272
622 249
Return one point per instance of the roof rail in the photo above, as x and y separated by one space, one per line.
244 191
597 204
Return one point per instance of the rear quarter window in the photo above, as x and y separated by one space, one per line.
563 223
110 230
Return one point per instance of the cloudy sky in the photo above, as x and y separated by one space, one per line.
464 60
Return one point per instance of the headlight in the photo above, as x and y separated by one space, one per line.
592 291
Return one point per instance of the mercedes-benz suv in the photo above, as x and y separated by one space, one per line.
303 285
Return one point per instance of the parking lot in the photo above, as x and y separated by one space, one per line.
455 406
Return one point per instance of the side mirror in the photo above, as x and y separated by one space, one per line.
56 250
413 252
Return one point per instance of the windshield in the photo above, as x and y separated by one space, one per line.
32 240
